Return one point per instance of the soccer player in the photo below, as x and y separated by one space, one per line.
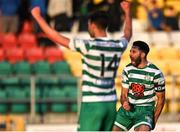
100 58
142 81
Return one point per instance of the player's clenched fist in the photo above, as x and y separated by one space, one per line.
125 5
126 106
36 12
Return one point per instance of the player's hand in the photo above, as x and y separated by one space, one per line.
126 106
36 11
125 5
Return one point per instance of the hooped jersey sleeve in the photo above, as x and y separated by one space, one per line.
79 45
125 80
159 82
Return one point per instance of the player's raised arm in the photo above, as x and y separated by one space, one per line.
125 5
51 33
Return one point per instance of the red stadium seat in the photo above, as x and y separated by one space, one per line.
14 55
1 38
53 54
34 54
2 56
9 40
27 40
27 27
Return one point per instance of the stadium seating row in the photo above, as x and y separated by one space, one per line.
40 67
32 55
55 94
28 40
21 108
25 40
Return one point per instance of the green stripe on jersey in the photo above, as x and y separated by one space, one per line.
98 68
98 58
93 76
141 72
102 94
141 81
107 49
138 98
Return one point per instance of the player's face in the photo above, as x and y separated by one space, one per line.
91 29
135 56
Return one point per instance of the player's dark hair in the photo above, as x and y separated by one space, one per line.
143 46
100 18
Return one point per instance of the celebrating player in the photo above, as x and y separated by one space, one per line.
142 81
100 58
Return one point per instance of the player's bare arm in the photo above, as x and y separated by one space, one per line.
159 105
124 99
51 33
125 5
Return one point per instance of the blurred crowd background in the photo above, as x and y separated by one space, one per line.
62 14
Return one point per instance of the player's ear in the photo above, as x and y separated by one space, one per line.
93 25
143 55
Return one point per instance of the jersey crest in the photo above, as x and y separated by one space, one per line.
137 89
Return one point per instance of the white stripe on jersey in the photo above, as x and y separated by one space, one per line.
93 62
134 101
140 76
102 98
159 80
106 53
121 126
142 123
78 44
98 72
86 88
98 81
97 63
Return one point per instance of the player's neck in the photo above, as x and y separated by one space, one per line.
100 34
143 64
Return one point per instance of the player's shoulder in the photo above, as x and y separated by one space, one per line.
153 66
81 40
128 67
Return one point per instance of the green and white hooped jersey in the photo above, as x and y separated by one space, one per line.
100 58
143 83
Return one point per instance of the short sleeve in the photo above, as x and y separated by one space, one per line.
123 43
125 80
159 82
79 45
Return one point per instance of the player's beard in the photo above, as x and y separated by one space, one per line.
136 61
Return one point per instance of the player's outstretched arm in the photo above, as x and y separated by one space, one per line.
51 33
126 6
159 105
